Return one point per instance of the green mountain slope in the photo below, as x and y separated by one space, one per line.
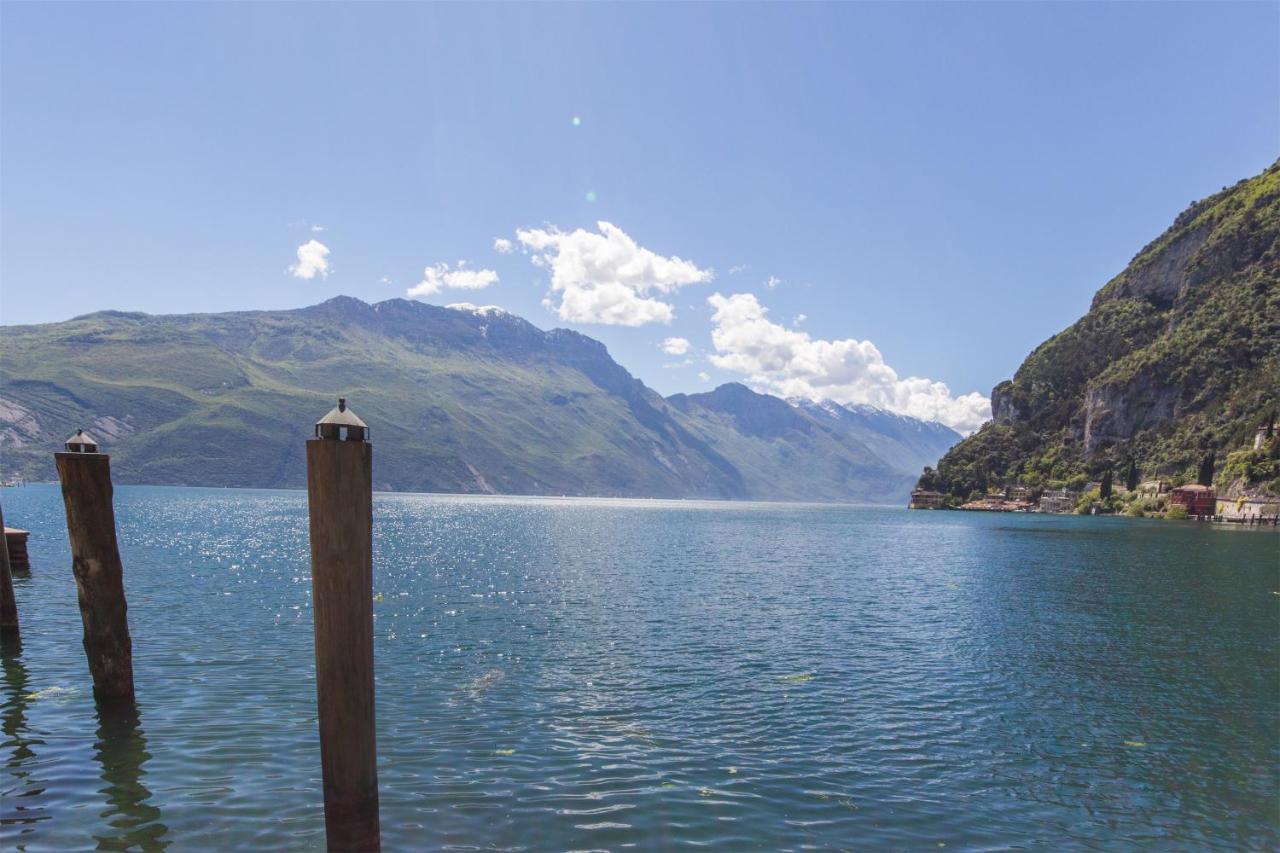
1177 358
457 401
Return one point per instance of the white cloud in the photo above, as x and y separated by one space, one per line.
606 277
772 282
439 276
800 318
482 310
317 228
792 364
313 260
675 346
503 246
737 268
703 377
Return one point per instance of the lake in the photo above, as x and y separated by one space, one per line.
559 674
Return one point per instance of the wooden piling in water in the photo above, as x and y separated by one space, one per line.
95 560
8 603
340 501
15 541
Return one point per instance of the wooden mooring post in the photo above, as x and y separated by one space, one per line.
95 560
340 499
8 603
15 541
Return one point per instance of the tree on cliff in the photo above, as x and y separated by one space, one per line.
1104 490
1205 477
1131 476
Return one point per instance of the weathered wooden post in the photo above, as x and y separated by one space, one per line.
340 496
95 559
8 603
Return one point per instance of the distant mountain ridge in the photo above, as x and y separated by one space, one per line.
459 399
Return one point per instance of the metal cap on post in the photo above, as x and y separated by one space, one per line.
339 420
340 505
81 442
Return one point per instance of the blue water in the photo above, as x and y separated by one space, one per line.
579 674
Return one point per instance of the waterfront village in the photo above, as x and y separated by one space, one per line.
1238 504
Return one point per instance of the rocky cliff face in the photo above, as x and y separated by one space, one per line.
1116 412
1179 354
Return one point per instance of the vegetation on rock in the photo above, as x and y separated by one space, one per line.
1169 374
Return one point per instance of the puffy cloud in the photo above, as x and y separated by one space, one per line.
792 364
703 377
606 277
737 268
313 260
503 246
675 346
772 282
800 318
439 276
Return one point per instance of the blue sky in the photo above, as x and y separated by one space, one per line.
935 188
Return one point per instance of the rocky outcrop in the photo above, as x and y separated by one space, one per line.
1161 275
1114 413
1178 357
1003 408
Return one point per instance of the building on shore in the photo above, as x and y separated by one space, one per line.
1199 500
1059 500
997 503
1021 494
925 499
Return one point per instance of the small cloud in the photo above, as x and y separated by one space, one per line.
439 276
313 260
606 277
317 228
738 268
772 281
384 280
800 318
676 365
503 246
675 346
703 377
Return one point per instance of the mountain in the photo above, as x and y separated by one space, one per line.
458 400
1178 358
904 442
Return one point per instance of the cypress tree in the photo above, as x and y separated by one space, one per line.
1104 491
1206 471
1131 476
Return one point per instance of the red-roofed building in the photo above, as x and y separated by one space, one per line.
1199 500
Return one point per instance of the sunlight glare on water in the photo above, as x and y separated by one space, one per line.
558 674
